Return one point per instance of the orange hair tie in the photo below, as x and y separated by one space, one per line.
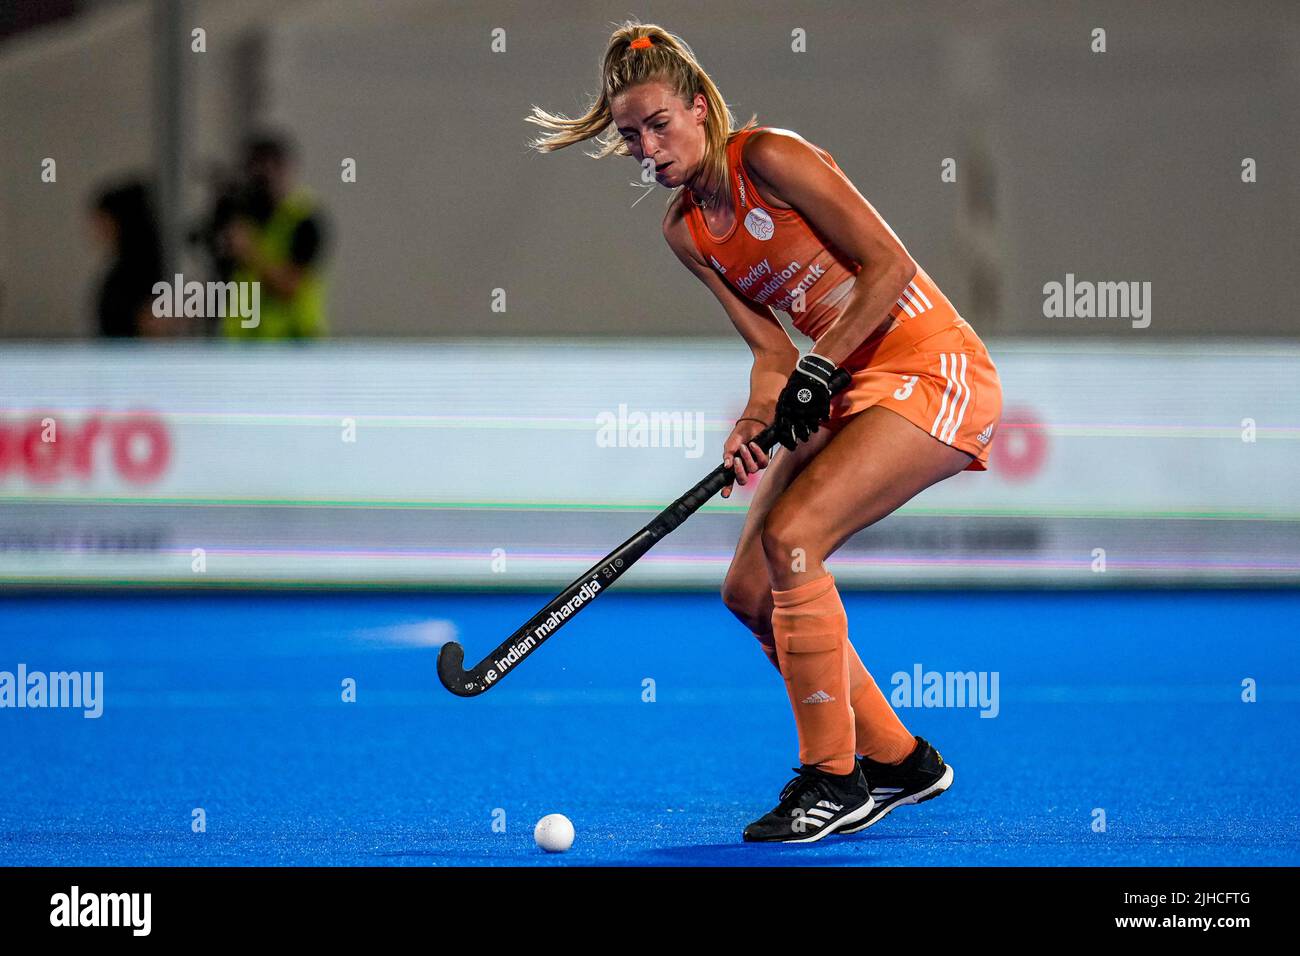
640 43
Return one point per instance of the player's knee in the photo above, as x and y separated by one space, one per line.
753 606
783 541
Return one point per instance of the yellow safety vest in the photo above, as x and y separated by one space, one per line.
299 317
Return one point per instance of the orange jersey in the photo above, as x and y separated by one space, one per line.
930 367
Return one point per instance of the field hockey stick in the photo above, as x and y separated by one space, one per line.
591 584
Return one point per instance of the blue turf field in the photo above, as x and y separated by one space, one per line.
231 702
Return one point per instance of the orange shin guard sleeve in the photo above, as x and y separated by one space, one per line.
811 633
880 735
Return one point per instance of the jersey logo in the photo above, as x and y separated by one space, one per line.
720 267
759 224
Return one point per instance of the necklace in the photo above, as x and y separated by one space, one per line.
707 202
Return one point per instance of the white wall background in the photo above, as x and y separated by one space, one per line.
1118 166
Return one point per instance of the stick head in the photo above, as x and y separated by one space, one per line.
452 673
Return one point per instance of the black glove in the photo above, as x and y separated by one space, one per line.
805 401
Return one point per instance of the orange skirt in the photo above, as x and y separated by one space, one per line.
934 371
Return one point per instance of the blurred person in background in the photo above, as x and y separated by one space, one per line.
207 235
123 223
276 237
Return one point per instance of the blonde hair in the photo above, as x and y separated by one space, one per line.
667 59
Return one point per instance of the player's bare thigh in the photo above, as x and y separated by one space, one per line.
747 590
878 462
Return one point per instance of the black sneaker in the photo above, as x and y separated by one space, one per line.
921 777
813 805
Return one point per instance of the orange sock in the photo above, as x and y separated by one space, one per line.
878 732
880 735
811 633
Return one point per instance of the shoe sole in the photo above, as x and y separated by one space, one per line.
851 817
929 793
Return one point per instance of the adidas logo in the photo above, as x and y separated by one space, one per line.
825 810
885 791
984 436
818 697
817 815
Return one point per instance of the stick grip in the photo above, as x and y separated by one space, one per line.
720 477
